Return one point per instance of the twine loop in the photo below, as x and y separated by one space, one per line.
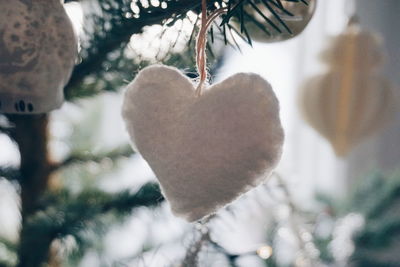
201 43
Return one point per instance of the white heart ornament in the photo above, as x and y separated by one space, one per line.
205 151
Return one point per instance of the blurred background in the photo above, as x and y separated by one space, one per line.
102 206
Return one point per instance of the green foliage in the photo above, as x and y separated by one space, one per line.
9 173
378 199
61 214
108 32
323 247
113 155
8 252
107 62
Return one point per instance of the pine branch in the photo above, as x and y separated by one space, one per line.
94 202
8 253
124 23
5 130
231 257
5 126
10 173
62 214
121 152
379 235
8 244
118 36
390 190
377 198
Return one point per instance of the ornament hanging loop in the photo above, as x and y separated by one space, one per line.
201 43
201 59
350 7
354 20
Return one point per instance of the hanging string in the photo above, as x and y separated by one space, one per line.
201 43
201 59
350 9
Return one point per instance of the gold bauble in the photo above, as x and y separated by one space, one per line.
301 15
38 49
351 100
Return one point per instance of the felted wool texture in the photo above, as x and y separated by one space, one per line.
208 150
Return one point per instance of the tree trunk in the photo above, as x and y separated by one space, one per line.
31 135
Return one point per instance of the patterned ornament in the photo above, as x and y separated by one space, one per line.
351 100
205 150
295 14
38 49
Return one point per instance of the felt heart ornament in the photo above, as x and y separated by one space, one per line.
205 150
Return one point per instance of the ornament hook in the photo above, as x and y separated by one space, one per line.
201 57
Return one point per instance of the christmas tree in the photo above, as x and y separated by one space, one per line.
66 209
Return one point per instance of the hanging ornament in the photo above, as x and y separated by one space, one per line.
37 53
207 146
265 20
351 100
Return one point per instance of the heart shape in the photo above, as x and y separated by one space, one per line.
208 150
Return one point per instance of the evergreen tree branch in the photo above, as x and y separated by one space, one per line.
105 40
8 253
10 173
5 126
5 130
118 153
62 214
379 235
231 257
117 38
390 190
8 244
377 199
